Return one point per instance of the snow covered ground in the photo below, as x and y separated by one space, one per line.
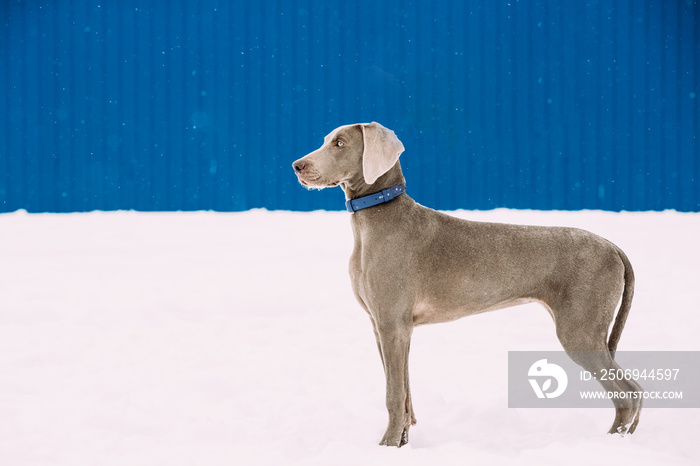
219 339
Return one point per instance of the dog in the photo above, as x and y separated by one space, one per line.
412 265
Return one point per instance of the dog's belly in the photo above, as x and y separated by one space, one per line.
427 313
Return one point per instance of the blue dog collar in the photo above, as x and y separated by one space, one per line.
385 195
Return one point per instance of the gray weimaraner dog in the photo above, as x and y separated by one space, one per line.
412 266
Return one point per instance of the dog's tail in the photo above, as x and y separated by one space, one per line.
625 305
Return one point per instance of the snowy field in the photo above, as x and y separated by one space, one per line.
234 339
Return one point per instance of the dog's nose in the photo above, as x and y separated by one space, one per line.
299 165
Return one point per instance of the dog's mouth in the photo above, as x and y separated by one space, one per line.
309 182
316 182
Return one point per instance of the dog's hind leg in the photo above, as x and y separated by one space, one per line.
585 343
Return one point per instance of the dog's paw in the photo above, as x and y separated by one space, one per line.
391 439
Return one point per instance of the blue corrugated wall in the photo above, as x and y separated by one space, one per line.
182 105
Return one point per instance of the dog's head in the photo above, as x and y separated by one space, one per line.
351 153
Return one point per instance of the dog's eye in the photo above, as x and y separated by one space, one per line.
339 143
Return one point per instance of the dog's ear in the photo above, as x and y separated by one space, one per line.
382 150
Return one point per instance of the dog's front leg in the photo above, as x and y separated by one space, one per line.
395 341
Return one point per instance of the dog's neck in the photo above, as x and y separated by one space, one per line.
358 188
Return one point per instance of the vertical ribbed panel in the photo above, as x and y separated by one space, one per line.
183 105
